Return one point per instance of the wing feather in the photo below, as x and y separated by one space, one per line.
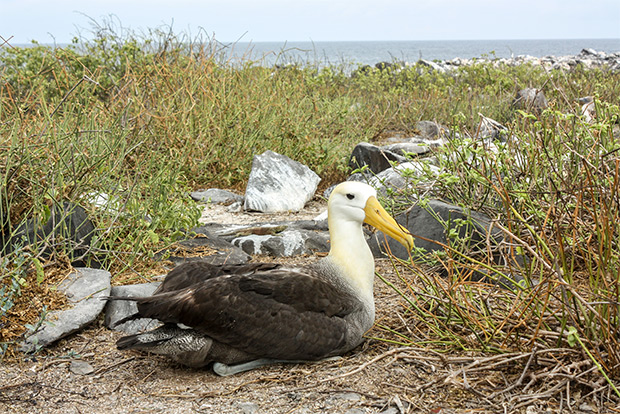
190 273
282 313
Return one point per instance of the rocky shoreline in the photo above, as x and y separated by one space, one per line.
587 58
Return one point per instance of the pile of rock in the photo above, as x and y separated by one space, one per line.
587 58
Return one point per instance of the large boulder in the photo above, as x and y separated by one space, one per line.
377 159
440 224
278 184
431 225
85 289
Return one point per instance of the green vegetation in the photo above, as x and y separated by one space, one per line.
554 188
136 122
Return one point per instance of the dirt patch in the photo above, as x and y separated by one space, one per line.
217 213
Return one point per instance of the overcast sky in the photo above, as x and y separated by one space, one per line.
318 20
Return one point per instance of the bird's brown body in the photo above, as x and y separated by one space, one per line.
270 312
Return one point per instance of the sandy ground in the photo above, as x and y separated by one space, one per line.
217 213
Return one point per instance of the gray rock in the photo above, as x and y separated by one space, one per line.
589 52
347 396
588 108
377 159
489 128
84 289
432 65
530 99
247 407
216 196
390 66
79 367
209 247
588 58
68 223
293 242
355 411
408 148
236 207
399 178
117 310
430 226
279 239
431 129
278 184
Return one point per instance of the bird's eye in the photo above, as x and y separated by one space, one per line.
350 196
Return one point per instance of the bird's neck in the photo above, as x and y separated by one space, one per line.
350 253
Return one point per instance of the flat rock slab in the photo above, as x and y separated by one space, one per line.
117 310
288 243
210 248
278 239
85 289
216 196
278 183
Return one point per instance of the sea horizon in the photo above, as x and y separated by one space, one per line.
370 52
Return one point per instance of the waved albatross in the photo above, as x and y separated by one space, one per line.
244 316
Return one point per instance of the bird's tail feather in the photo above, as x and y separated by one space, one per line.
168 340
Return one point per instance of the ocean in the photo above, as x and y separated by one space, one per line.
371 52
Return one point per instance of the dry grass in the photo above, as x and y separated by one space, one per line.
36 300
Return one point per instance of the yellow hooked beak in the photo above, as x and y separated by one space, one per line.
377 217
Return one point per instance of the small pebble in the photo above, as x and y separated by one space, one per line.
81 367
246 407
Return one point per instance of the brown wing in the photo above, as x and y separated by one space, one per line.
189 273
282 313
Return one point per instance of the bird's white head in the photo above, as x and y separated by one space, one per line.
356 202
348 200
